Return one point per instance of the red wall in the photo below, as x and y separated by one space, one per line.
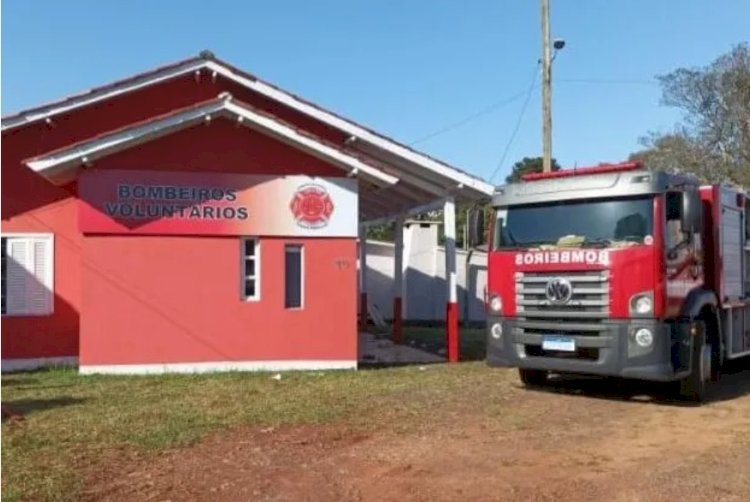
53 335
31 204
177 299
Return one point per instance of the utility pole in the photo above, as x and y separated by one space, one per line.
546 90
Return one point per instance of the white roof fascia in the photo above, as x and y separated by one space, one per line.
110 143
265 89
119 140
332 154
414 174
87 98
353 129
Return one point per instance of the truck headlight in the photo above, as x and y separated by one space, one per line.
642 304
496 331
496 304
644 338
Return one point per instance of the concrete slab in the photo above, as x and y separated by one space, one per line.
374 350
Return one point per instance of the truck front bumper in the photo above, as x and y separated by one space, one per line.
611 351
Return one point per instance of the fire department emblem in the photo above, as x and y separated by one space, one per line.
558 290
311 206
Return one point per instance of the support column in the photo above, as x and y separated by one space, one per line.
451 311
363 278
398 279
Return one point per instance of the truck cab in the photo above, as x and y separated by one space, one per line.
611 270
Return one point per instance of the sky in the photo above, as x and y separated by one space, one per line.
407 68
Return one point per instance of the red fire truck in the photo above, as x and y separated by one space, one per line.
618 270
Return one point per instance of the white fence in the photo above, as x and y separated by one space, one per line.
424 297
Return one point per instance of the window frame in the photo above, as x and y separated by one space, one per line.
49 280
301 248
684 236
244 276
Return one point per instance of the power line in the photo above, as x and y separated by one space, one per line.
494 106
515 97
517 126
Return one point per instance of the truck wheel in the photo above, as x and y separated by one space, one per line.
694 387
532 377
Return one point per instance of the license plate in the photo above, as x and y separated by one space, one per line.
558 342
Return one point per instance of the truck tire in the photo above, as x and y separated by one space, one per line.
532 377
694 387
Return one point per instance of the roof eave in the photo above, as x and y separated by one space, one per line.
96 94
445 174
61 166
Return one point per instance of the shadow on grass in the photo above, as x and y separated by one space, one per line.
472 341
28 406
15 381
734 383
365 365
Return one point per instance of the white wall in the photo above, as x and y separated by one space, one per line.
424 277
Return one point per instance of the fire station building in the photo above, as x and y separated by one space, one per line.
196 218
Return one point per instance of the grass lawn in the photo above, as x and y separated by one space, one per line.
73 421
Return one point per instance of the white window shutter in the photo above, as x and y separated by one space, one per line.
18 275
39 290
29 275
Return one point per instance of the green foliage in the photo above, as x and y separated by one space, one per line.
528 165
713 141
383 232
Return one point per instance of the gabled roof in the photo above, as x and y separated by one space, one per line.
418 169
60 166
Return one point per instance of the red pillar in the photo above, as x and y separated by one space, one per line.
398 334
451 311
451 332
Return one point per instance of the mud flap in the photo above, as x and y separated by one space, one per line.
681 347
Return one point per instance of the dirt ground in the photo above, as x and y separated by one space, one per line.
577 440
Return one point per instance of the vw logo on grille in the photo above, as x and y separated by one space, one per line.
558 290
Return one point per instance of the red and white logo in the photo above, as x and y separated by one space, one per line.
311 206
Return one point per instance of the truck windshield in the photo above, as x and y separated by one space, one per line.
589 223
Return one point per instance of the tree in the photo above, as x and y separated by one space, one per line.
528 165
713 141
385 232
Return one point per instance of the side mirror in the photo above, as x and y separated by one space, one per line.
475 221
692 211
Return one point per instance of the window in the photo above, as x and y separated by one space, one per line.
293 281
27 262
616 222
250 250
675 233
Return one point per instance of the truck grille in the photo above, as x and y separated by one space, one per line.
581 317
590 298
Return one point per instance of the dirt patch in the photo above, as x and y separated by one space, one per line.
539 446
